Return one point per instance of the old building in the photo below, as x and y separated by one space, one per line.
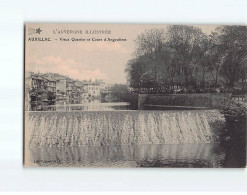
69 86
60 85
92 88
77 89
37 90
44 89
50 84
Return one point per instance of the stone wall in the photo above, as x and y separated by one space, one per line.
132 98
141 100
206 100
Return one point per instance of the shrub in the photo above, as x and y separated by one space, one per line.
233 111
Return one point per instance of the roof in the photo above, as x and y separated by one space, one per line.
53 77
79 84
69 80
57 78
50 79
99 82
40 77
90 83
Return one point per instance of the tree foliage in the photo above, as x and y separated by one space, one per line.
185 56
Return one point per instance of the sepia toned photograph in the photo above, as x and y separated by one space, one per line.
135 95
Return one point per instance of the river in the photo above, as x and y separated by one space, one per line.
112 134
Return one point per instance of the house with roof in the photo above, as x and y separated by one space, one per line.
60 84
50 84
92 88
37 89
69 86
77 89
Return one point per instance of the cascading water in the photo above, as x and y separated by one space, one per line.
122 127
158 155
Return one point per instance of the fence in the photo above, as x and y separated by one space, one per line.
241 98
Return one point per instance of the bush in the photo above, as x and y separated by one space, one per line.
233 111
51 96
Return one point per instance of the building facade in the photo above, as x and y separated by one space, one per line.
40 89
93 89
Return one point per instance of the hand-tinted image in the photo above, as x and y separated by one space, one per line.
129 95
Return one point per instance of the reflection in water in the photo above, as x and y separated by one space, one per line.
87 105
125 138
170 155
107 139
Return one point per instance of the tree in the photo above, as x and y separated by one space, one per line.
185 42
233 48
148 80
214 57
50 96
134 72
117 90
186 56
150 50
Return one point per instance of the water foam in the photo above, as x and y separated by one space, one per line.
122 127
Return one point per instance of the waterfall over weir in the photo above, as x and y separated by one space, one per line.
122 127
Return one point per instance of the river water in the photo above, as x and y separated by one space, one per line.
111 134
83 105
155 155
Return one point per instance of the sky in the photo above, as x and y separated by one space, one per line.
84 60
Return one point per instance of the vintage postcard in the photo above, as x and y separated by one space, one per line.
135 95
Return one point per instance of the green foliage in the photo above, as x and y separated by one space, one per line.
233 48
118 88
185 56
234 111
51 96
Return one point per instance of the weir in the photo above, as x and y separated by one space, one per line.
122 127
158 155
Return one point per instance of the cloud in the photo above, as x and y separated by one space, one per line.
81 60
65 66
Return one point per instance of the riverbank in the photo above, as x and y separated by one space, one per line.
195 100
234 135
